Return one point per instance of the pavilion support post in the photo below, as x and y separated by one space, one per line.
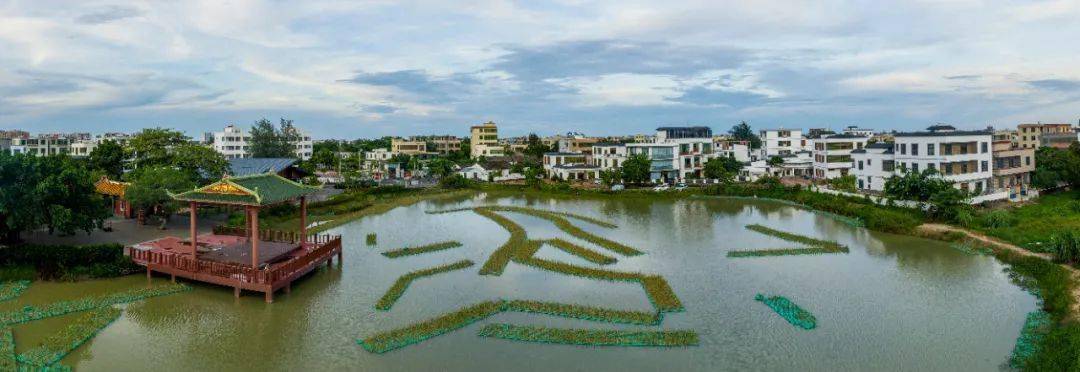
303 222
254 212
269 296
194 229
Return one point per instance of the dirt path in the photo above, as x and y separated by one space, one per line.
936 229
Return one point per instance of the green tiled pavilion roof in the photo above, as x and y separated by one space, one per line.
255 190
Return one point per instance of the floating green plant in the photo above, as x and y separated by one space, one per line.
661 295
586 272
13 289
816 246
31 313
789 311
590 337
434 247
371 239
547 214
584 253
565 225
1036 325
7 350
398 338
498 260
399 287
591 313
58 345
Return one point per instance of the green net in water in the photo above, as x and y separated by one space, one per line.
1035 327
789 311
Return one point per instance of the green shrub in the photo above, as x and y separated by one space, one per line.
1065 246
998 219
13 289
68 262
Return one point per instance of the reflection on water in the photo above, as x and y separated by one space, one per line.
892 303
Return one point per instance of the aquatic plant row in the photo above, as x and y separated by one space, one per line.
815 246
394 293
582 252
788 310
590 337
31 313
563 224
387 341
371 239
11 290
596 314
7 350
59 345
434 247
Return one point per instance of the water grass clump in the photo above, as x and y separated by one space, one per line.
402 283
398 338
371 239
590 337
58 345
1036 326
789 311
7 350
498 260
582 252
547 214
13 289
814 246
591 313
434 247
31 313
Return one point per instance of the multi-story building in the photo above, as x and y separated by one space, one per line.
408 146
576 142
873 165
234 142
569 166
41 145
82 148
1007 135
676 153
832 154
777 142
443 144
608 155
13 134
1030 134
5 145
963 158
1012 168
418 145
739 150
484 140
1058 140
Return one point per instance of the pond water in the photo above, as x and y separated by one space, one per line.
891 303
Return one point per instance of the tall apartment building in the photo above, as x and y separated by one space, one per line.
778 142
234 142
1030 134
832 154
484 140
963 158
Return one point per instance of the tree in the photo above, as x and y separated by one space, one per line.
743 132
153 146
775 161
917 186
404 159
150 190
843 183
534 177
269 142
108 157
324 158
611 176
53 192
440 167
1054 167
201 164
636 168
722 169
536 148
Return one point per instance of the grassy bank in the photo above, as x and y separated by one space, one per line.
1031 225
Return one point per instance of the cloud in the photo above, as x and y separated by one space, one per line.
107 14
1061 85
418 83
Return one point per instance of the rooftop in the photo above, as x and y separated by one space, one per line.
240 167
255 190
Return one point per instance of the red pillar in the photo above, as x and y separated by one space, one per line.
194 230
254 212
303 221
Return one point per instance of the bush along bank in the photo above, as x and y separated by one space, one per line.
590 337
399 287
65 262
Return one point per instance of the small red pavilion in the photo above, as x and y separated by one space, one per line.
245 258
115 191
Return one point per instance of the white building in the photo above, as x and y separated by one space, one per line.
963 158
777 142
859 132
739 150
676 153
873 165
41 145
234 142
832 154
608 155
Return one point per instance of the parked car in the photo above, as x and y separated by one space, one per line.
618 187
680 186
661 187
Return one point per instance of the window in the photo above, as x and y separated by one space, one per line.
861 183
915 149
1027 159
984 147
930 149
860 164
903 149
985 164
931 166
915 167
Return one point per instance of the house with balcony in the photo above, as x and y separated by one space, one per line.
963 158
607 155
832 154
778 142
676 153
569 166
1012 169
873 165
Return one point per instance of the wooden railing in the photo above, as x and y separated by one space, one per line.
319 248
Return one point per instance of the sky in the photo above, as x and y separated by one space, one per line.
348 69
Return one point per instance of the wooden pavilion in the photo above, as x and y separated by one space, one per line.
245 258
115 191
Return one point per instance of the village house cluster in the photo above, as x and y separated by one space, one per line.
990 164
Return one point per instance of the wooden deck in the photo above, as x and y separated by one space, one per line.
222 255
